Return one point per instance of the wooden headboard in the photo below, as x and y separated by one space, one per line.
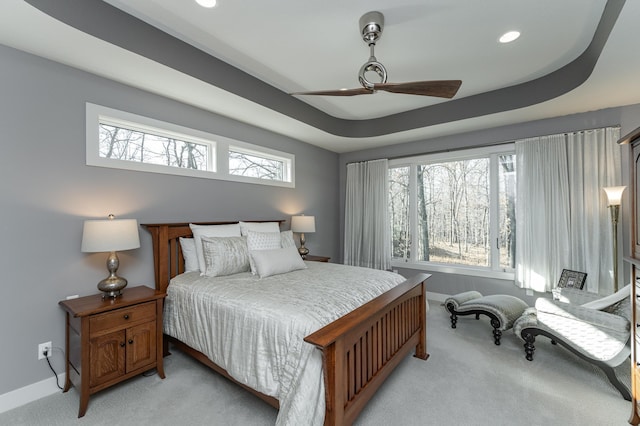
167 253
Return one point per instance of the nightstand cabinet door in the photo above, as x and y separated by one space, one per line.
107 358
141 346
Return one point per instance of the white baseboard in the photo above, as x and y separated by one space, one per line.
30 393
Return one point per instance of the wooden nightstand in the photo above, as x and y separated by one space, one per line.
312 258
110 340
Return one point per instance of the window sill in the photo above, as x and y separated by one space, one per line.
455 269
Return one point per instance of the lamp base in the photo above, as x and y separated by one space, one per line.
112 286
303 251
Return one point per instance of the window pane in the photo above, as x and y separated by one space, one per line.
399 211
132 145
251 165
507 226
453 212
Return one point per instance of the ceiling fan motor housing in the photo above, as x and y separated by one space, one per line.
371 25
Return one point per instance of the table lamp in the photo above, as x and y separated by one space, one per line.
110 235
301 224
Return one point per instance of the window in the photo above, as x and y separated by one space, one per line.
125 143
255 164
454 211
118 139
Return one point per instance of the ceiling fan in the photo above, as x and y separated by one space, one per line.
371 24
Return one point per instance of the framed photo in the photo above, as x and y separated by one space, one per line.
572 279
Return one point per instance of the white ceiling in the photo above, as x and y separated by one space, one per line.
301 46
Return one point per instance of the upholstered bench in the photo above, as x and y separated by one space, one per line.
501 309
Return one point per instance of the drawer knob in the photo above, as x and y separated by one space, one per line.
122 345
131 341
126 316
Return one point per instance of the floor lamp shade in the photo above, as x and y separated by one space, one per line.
614 195
111 235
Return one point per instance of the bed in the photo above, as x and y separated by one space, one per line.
349 357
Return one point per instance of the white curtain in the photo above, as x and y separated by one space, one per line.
562 220
542 215
594 163
367 237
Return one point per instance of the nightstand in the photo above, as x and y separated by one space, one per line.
111 340
312 258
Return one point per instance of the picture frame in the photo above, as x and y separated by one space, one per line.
572 279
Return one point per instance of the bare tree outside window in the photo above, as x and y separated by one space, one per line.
453 215
507 238
399 211
454 211
132 145
244 164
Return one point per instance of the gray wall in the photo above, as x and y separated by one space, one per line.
47 191
628 118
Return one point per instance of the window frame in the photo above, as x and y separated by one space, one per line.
493 270
218 148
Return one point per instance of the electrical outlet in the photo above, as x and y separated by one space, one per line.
528 292
42 347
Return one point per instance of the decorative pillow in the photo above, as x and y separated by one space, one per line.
245 227
286 239
199 231
262 241
225 255
276 261
189 254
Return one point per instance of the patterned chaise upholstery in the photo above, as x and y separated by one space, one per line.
503 310
597 331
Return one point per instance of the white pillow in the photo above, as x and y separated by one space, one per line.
189 254
276 261
245 227
286 239
225 255
262 241
199 231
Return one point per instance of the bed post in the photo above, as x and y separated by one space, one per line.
421 347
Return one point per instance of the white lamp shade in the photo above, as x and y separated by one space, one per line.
614 195
304 224
110 235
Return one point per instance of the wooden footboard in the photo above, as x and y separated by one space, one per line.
362 348
359 349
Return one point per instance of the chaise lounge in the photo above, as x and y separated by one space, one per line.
595 328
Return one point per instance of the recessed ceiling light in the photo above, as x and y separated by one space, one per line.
509 36
207 3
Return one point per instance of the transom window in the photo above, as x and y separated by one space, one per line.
118 139
454 210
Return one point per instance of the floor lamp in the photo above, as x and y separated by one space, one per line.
614 196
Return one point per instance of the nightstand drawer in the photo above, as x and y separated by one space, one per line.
121 318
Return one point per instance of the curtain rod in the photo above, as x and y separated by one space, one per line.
486 145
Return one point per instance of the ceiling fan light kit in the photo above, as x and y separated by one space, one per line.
371 25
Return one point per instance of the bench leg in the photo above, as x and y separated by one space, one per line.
529 346
497 334
454 320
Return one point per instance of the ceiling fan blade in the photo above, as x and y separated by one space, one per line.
437 88
343 92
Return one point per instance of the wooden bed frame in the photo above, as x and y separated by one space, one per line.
359 350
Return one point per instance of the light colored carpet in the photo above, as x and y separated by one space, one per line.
467 381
